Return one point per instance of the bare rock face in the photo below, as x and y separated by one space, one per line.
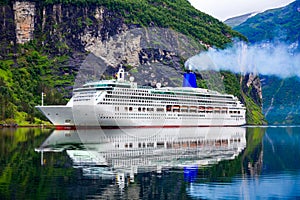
24 21
114 50
153 55
252 85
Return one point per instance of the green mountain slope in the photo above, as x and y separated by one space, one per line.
53 52
281 99
280 96
276 24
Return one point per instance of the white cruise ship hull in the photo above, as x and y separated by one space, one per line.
65 117
60 116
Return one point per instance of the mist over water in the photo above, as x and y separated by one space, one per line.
265 58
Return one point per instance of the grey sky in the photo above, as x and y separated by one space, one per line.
224 9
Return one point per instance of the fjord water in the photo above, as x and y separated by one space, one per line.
186 163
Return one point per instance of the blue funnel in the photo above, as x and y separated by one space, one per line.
189 80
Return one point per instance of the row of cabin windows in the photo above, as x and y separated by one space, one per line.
83 96
143 109
166 94
136 116
169 108
182 144
163 97
167 101
81 100
192 111
197 143
234 112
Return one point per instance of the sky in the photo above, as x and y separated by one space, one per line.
224 9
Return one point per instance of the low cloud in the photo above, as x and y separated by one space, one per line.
266 58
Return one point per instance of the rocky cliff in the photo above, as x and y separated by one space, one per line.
89 41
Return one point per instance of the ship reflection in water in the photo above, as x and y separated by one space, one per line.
122 153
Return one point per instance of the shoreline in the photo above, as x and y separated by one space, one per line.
50 126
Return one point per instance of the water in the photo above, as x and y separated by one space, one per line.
187 163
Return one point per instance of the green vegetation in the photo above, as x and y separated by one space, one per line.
211 80
233 86
281 100
22 81
282 24
254 114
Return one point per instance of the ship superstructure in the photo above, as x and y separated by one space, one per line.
122 103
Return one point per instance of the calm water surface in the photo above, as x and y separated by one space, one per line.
186 163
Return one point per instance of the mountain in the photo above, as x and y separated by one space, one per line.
235 21
50 45
281 99
281 96
275 24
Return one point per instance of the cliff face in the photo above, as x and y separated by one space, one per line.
252 98
79 31
252 86
24 14
90 42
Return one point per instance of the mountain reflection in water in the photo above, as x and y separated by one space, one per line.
123 153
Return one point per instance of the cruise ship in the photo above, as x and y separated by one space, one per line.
121 102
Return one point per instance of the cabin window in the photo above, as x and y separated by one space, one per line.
150 144
160 109
160 145
150 109
169 108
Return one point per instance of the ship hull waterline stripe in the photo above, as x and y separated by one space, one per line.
63 127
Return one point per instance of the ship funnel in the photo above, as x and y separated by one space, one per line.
189 80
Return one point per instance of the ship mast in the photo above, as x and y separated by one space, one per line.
43 94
